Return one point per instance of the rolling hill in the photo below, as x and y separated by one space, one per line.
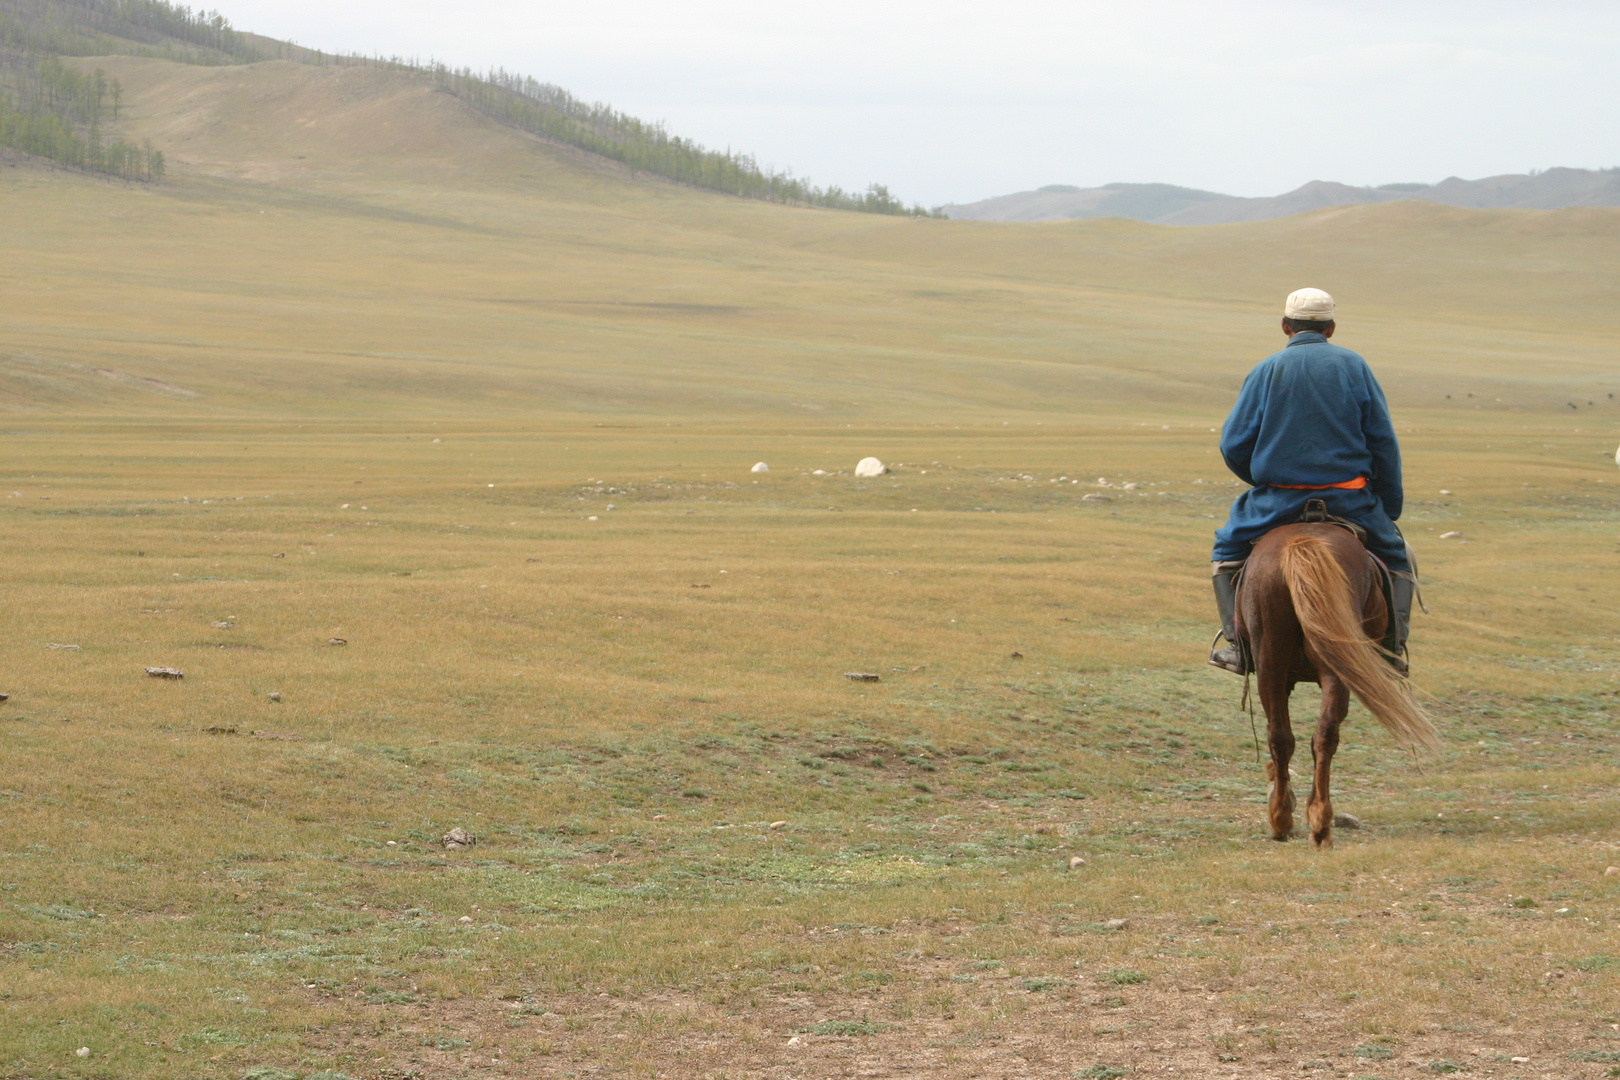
354 240
60 112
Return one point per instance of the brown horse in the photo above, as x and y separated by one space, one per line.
1311 609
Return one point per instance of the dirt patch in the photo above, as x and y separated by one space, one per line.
1082 1027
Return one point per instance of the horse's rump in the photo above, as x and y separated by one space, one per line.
1330 618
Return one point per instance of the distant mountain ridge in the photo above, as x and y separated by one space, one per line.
1167 204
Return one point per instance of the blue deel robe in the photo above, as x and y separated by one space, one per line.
1312 414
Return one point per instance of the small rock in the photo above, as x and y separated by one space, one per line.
83 1051
465 919
660 817
700 586
818 472
1130 487
863 676
337 641
224 624
1096 497
1612 871
593 517
1115 924
793 1041
275 695
1521 1061
1346 821
1452 535
277 736
5 697
1017 656
870 467
163 672
218 729
1076 863
1443 491
551 1017
778 824
59 646
760 467
458 838
279 555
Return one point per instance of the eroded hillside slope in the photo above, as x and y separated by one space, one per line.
281 123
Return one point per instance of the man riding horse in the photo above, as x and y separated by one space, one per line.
1311 426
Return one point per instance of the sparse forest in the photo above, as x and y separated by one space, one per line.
126 27
52 111
552 112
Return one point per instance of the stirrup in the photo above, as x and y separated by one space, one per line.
1227 659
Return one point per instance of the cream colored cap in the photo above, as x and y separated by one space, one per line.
1312 304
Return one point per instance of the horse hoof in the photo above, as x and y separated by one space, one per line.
1323 841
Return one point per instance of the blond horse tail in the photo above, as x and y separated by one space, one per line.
1333 630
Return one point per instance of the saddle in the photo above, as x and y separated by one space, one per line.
1316 511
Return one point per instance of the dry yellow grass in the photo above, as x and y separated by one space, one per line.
377 392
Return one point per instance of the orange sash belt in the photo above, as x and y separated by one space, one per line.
1348 485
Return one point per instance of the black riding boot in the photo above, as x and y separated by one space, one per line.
1394 643
1230 657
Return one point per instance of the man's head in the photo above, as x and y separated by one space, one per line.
1308 309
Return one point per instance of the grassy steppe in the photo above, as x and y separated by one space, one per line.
305 393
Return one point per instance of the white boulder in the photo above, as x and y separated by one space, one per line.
870 467
760 467
1617 457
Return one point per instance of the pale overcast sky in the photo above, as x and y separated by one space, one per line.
950 102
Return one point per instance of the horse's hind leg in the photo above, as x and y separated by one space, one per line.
1274 691
1319 810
